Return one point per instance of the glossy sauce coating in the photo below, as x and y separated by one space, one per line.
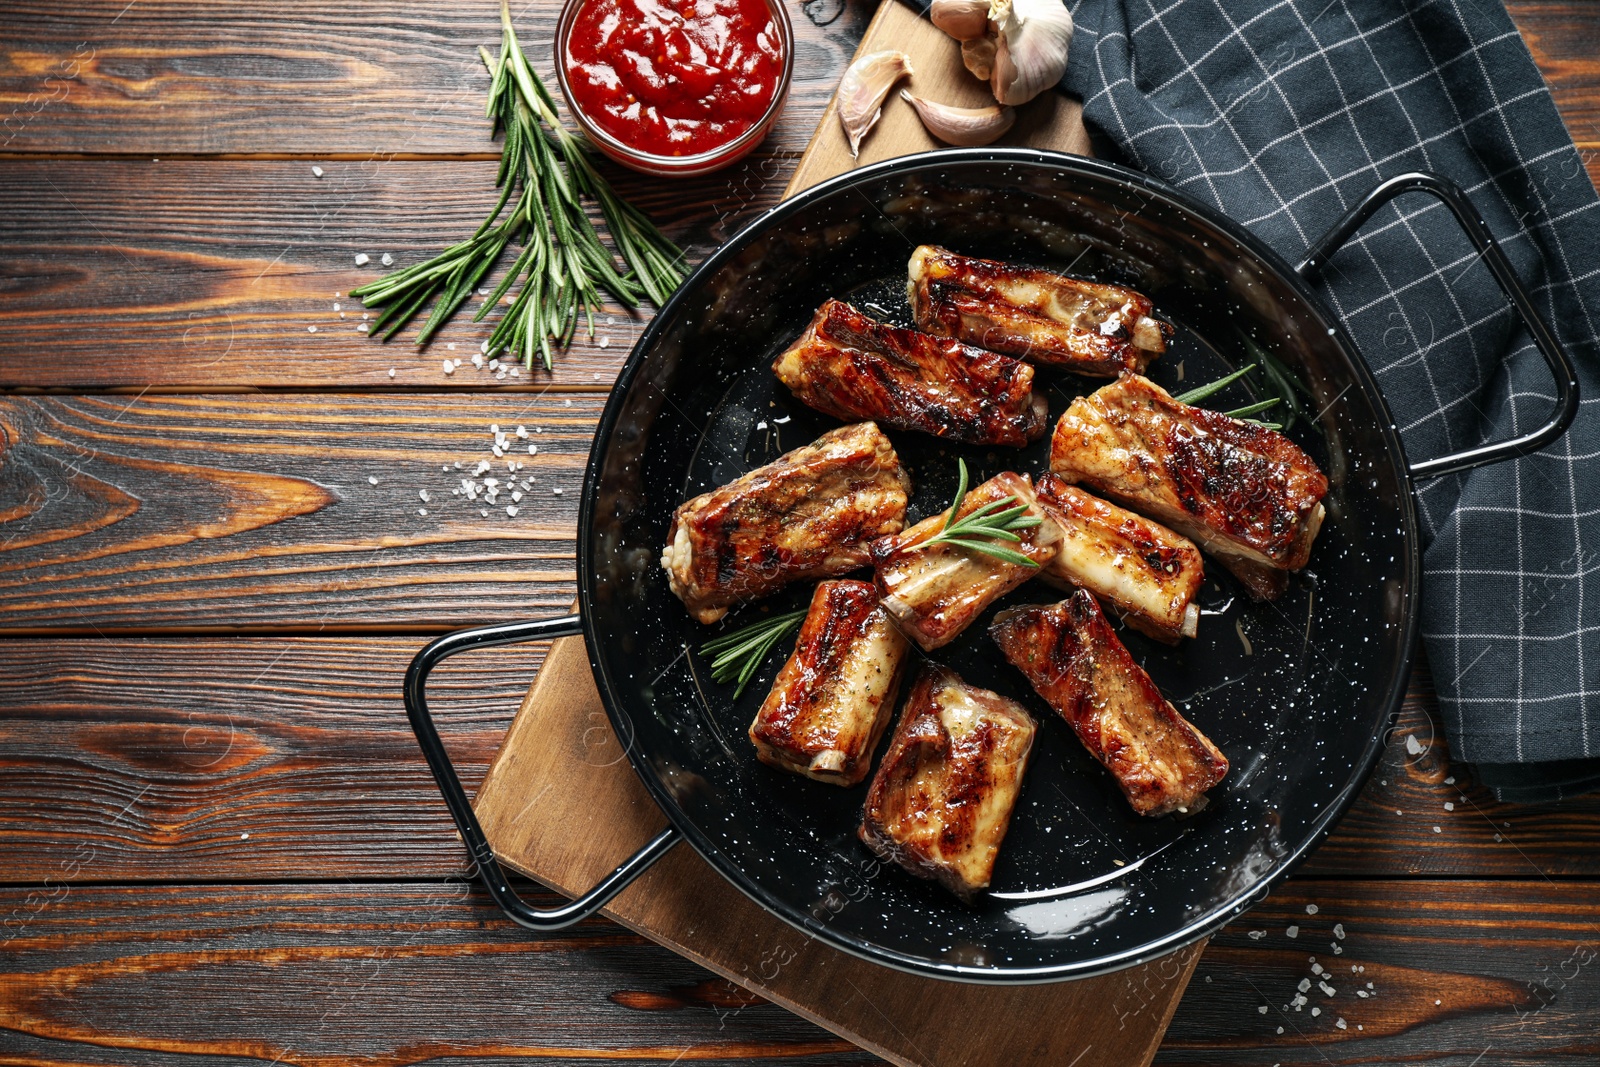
677 78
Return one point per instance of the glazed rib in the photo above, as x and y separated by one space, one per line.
942 799
1091 328
1075 662
1145 572
808 514
1245 493
854 367
833 698
936 591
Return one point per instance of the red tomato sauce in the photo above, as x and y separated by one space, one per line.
674 77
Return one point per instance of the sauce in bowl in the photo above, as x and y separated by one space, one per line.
676 78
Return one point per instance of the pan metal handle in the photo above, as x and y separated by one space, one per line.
494 879
1477 231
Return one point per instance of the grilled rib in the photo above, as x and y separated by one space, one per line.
1075 662
942 799
936 591
833 698
1091 328
808 514
1246 494
854 367
1145 572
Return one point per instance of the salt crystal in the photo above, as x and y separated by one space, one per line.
1363 994
605 342
1450 780
1293 931
1256 935
761 425
1413 746
1437 830
449 368
362 259
516 372
556 491
567 403
494 364
1326 988
1340 1024
363 328
387 260
484 512
1280 1029
477 360
611 320
522 431
451 347
1262 1009
1316 1011
1311 909
1338 931
1449 806
316 172
540 429
372 479
1497 837
498 451
422 511
533 450
311 329
1316 968
422 495
1338 950
1305 984
511 509
391 372
500 375
517 496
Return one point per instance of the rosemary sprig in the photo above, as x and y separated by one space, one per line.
1201 392
737 655
562 263
996 521
1284 381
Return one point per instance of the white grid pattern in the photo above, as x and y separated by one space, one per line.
1282 116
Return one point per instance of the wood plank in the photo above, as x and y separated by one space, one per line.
112 747
191 274
167 78
252 512
172 77
400 973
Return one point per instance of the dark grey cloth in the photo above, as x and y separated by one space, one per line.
1283 115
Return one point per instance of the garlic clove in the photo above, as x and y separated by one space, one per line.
977 55
967 127
1031 42
965 20
863 90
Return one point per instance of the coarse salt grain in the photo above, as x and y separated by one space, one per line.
516 495
511 509
316 172
311 329
1256 935
556 491
422 495
336 307
605 342
1449 805
522 431
1293 931
362 259
1305 984
516 372
1340 1023
1438 830
362 328
1338 931
762 425
372 479
387 260
451 347
1316 1011
422 511
449 368
484 512
1311 909
1262 1009
533 450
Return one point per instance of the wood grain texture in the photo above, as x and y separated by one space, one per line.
169 77
154 755
1049 121
177 77
252 512
561 803
110 280
386 975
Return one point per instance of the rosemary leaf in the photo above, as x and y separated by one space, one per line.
738 655
1194 396
979 529
1253 409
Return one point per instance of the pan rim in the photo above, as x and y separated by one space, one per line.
1197 928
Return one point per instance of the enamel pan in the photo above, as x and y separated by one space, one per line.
1298 693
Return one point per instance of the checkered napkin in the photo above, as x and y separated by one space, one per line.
1282 115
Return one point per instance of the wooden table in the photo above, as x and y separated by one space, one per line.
218 843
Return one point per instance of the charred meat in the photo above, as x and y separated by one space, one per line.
1075 662
934 591
1246 494
854 367
1090 328
942 799
1146 573
808 514
830 703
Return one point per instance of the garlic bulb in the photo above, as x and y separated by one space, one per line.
864 88
964 20
964 126
1031 41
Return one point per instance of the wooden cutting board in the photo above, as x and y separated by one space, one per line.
561 802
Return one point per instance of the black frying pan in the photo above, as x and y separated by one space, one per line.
1299 693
